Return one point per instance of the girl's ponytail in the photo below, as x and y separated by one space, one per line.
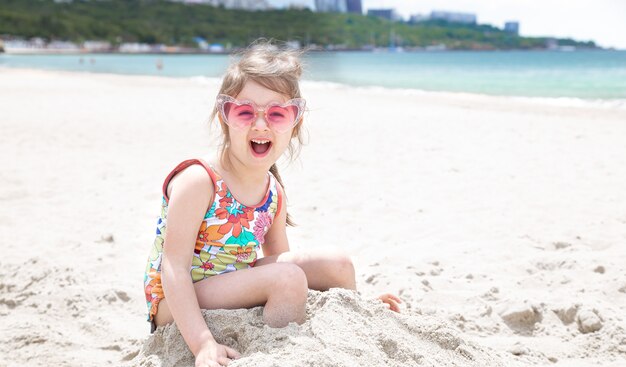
274 170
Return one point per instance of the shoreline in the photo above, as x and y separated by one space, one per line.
574 102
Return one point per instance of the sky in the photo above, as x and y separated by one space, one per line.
602 21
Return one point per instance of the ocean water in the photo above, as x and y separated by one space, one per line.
584 75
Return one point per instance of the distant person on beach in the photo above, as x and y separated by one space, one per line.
216 214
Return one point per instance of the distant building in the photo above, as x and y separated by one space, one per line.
209 2
133 48
552 44
331 6
299 5
512 27
416 18
201 42
231 4
97 46
245 4
62 46
354 6
38 45
216 47
389 14
453 17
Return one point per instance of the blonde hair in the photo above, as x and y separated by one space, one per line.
275 68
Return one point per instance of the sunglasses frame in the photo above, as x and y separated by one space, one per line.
222 99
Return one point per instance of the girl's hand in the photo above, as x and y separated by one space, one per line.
213 354
391 301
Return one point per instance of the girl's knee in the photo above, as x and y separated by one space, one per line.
288 294
344 259
342 272
344 263
291 278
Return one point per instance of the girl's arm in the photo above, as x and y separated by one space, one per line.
191 191
276 238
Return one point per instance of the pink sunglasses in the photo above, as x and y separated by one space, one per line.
242 114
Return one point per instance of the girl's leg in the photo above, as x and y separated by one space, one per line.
326 269
323 269
281 287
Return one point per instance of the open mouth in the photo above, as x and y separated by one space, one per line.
260 147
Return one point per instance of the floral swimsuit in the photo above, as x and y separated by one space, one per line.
228 238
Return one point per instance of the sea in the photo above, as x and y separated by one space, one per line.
596 76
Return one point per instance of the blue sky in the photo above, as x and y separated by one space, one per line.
603 21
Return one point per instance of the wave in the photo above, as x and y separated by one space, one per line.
614 103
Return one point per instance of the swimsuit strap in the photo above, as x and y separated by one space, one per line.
181 166
279 192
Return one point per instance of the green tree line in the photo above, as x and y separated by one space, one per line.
173 23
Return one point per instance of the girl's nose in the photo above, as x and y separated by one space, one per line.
260 123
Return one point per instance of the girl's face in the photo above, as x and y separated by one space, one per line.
258 145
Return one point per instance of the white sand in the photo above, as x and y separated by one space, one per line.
501 222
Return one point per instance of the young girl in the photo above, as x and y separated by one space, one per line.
217 215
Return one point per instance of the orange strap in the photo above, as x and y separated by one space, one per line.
182 166
279 188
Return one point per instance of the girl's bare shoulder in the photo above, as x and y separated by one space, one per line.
193 180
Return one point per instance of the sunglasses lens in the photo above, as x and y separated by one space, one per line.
238 115
281 118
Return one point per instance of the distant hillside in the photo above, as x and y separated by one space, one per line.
177 24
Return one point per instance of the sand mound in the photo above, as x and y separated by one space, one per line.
342 329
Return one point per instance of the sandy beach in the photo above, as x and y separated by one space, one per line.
501 223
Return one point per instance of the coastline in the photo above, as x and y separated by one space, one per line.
502 219
576 102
